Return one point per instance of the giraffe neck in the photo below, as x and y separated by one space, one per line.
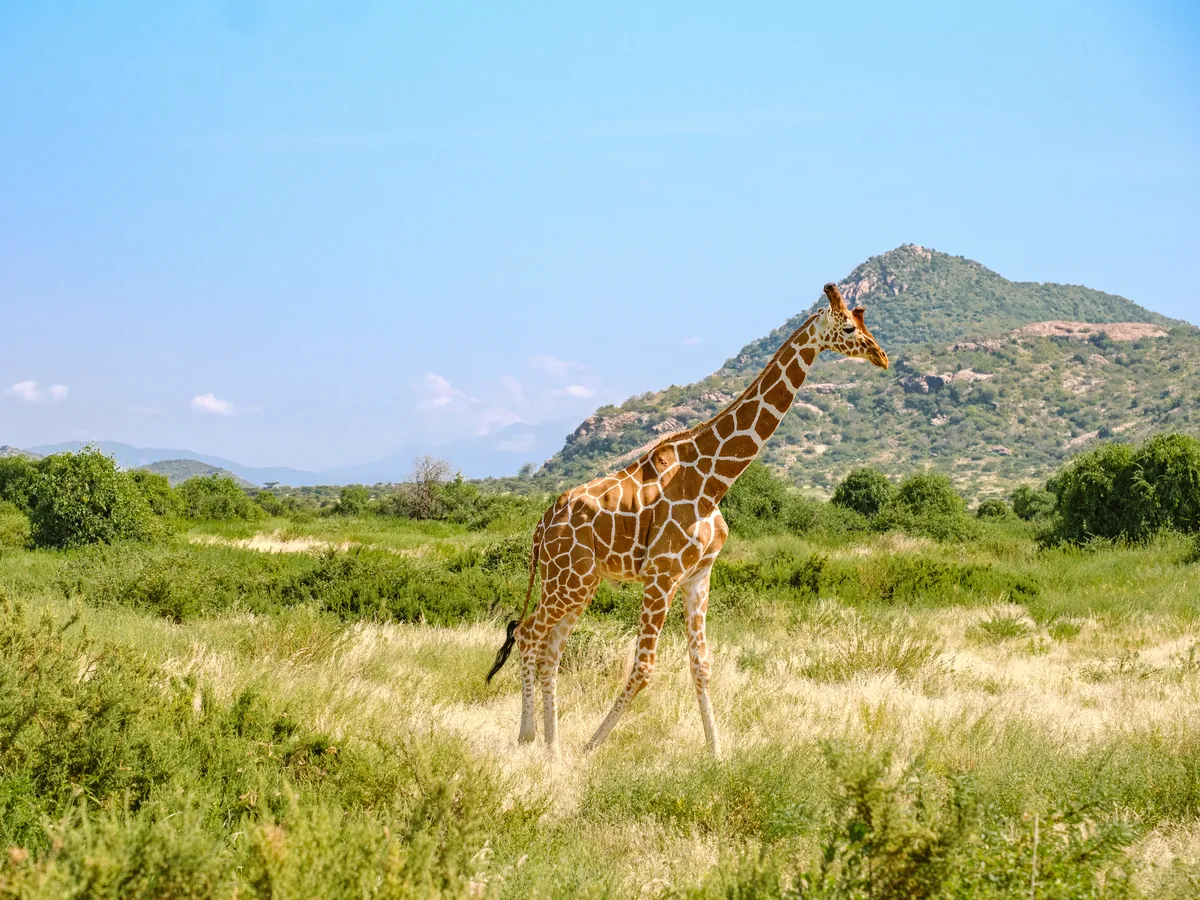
737 433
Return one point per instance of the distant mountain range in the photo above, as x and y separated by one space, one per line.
500 452
993 382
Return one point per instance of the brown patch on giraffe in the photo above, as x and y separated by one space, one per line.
611 498
729 468
704 466
688 484
725 426
687 452
745 417
779 397
766 424
795 373
741 446
604 529
650 493
707 443
809 354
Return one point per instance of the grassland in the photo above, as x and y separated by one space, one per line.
902 717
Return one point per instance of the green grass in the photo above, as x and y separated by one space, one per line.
191 719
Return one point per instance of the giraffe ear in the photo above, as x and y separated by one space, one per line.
836 303
858 312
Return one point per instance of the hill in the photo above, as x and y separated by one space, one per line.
180 470
993 382
7 450
129 457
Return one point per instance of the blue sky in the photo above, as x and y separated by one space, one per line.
307 234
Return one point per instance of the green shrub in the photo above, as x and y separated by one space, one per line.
757 502
929 495
993 509
118 779
1117 492
353 500
1163 486
866 491
217 498
82 498
927 505
162 500
17 475
14 527
1030 503
271 504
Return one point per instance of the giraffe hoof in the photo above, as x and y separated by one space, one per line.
526 738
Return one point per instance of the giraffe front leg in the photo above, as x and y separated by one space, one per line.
696 610
656 602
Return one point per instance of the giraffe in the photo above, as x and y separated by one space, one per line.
657 522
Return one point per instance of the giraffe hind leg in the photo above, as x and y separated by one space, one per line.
695 595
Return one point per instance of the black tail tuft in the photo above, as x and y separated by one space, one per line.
505 649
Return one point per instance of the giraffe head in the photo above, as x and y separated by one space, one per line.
844 331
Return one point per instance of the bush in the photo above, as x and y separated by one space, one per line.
993 509
1121 493
14 527
16 480
217 497
926 494
756 503
928 506
353 500
1030 503
866 491
1163 486
163 501
82 498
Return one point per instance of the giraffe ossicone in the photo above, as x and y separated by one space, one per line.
658 522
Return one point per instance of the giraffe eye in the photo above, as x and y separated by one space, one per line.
849 329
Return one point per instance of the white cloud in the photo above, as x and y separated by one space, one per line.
436 392
29 392
578 390
512 388
211 405
494 417
560 368
692 341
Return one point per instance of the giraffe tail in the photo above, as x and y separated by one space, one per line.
510 637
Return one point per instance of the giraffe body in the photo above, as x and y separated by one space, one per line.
657 522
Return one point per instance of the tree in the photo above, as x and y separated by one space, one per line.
163 501
82 498
864 490
930 495
757 501
16 480
993 509
1030 503
426 487
1088 494
217 497
352 500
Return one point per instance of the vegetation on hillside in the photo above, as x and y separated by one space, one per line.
984 413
